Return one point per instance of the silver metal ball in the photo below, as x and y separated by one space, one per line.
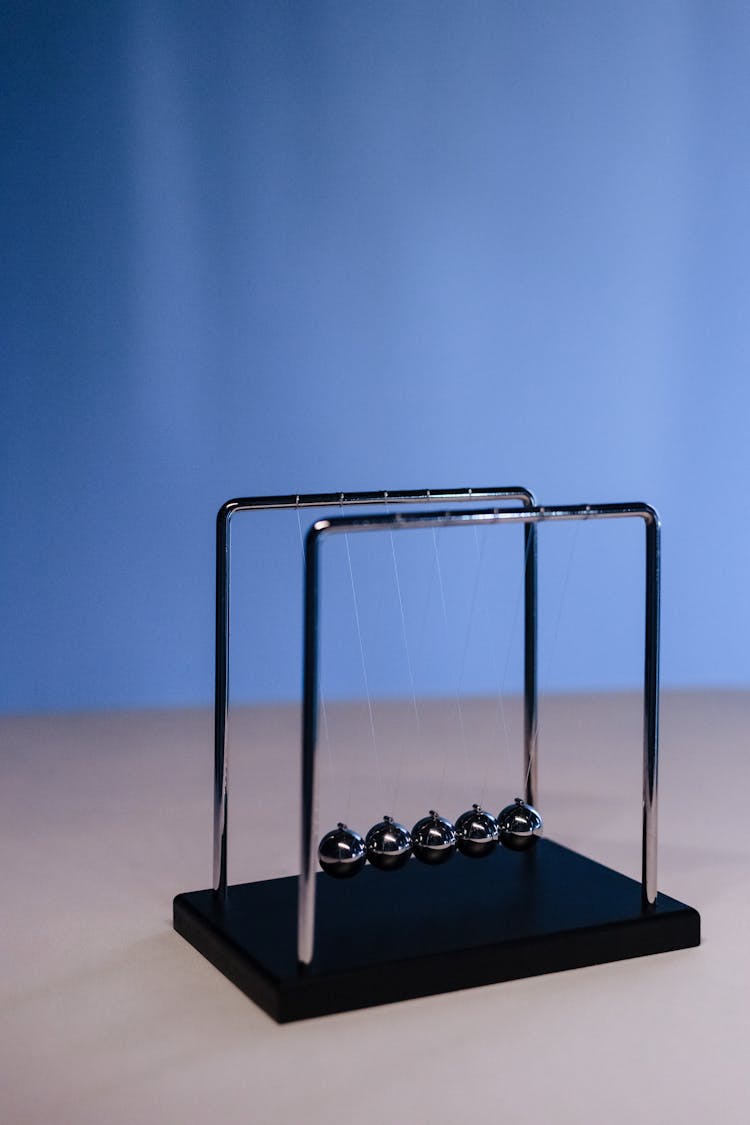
388 845
341 852
477 833
520 826
433 839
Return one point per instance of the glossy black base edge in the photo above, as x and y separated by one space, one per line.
388 936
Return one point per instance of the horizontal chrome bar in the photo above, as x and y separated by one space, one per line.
400 496
400 520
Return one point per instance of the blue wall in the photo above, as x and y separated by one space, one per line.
281 247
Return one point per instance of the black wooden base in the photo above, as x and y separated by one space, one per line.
387 936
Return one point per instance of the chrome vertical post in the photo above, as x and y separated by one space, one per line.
651 710
530 693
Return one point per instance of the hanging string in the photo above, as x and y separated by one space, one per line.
558 619
365 676
456 692
409 665
462 669
420 645
479 547
404 631
500 713
563 592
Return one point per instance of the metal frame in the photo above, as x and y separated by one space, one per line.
529 517
341 500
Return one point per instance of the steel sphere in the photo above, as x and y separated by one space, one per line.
388 845
433 839
476 833
341 852
520 826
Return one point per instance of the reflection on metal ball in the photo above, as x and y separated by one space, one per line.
520 826
476 833
433 839
388 845
341 852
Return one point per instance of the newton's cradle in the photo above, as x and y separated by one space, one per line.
509 905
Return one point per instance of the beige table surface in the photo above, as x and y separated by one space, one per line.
108 1016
